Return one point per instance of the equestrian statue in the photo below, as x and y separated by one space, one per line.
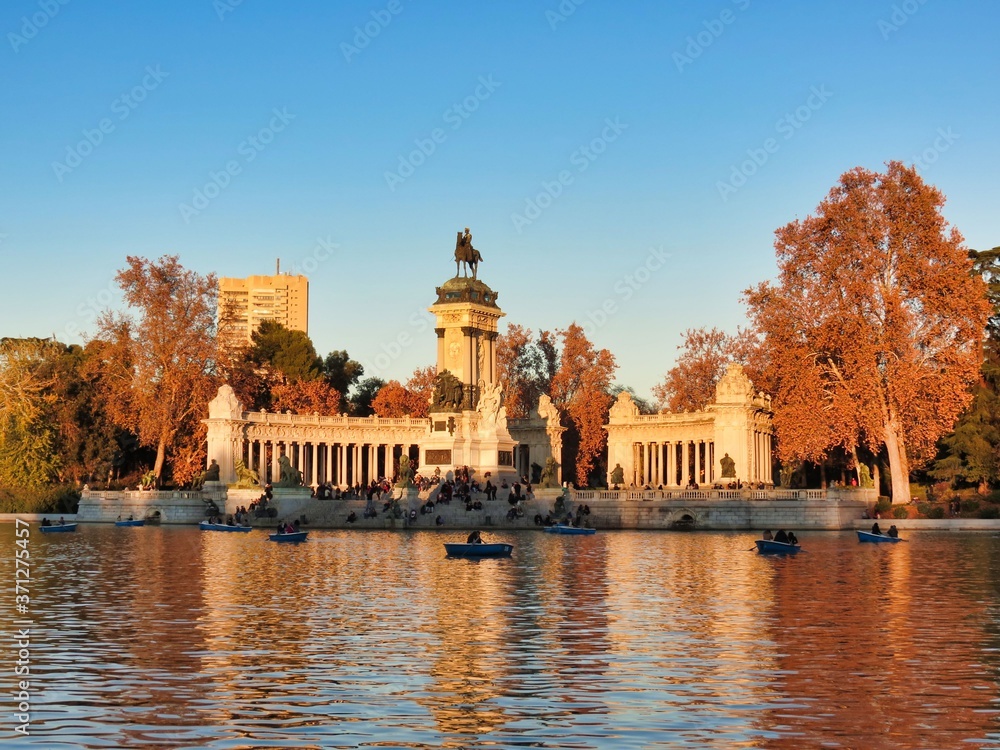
467 254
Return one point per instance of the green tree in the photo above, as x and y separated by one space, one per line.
28 455
972 452
290 353
363 396
342 373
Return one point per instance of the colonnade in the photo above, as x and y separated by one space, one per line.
343 464
674 463
762 457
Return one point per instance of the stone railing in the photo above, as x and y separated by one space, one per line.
264 417
778 493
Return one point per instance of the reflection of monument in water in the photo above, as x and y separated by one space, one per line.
468 424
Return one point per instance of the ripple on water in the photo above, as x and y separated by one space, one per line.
168 637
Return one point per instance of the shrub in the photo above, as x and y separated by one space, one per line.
924 509
990 511
936 512
993 497
60 498
883 504
970 507
900 511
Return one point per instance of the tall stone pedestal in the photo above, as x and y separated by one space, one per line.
467 439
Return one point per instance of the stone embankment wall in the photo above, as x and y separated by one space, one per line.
182 506
652 509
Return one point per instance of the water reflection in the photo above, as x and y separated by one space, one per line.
167 637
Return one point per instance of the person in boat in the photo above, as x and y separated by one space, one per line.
781 536
893 532
47 522
62 521
768 536
474 538
131 517
119 517
876 529
792 539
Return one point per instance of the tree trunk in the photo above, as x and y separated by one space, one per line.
161 455
877 476
898 467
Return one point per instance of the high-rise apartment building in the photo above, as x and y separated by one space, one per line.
245 303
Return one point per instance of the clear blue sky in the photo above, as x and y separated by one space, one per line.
692 89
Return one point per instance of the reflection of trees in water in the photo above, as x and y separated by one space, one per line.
877 646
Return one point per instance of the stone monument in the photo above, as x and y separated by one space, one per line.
468 419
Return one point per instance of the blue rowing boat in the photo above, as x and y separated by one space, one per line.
478 550
561 529
771 547
140 522
867 536
296 536
62 527
206 526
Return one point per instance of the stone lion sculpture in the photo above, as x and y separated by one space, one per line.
288 475
246 478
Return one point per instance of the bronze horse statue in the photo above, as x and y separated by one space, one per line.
466 253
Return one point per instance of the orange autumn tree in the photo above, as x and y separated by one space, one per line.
395 400
421 384
525 368
690 384
306 397
580 389
159 357
873 328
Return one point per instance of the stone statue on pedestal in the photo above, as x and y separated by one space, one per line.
728 467
449 393
618 475
549 474
288 475
466 253
405 473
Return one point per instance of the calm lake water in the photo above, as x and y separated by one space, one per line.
171 637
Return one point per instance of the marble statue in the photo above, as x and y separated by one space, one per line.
549 474
288 475
405 473
728 467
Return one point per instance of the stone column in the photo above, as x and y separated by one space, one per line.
341 464
685 463
491 355
314 469
440 338
262 462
